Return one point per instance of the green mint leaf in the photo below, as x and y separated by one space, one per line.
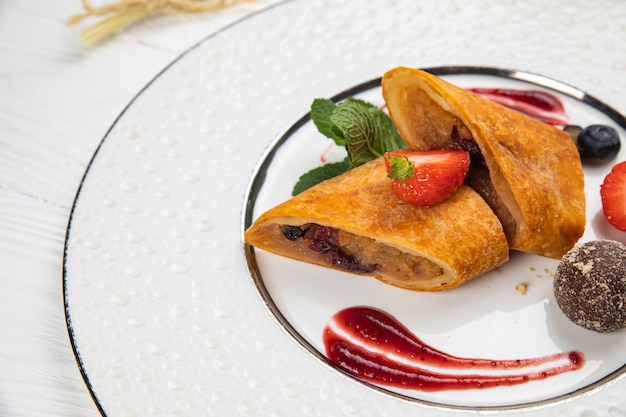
322 173
361 127
321 112
367 130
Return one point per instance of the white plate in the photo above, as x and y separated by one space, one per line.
163 314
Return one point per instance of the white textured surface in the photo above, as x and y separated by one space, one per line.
50 129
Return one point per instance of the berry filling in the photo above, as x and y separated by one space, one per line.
478 178
325 240
360 254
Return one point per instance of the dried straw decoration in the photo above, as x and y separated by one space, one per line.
124 12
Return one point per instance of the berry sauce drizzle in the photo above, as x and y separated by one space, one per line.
371 345
541 105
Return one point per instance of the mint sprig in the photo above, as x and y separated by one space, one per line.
322 110
361 127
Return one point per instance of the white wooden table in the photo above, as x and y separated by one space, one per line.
57 100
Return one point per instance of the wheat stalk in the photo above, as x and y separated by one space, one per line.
125 12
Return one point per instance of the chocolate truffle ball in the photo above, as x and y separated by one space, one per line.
590 286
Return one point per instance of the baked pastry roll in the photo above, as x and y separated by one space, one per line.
529 172
354 222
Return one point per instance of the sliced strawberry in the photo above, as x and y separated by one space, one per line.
613 194
426 178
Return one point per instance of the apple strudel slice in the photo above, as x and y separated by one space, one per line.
355 223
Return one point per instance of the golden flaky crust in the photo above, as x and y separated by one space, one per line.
461 236
534 167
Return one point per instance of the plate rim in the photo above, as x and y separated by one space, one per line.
257 179
66 240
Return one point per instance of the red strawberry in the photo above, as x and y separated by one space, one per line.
613 193
426 178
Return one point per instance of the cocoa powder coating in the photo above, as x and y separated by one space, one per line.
590 286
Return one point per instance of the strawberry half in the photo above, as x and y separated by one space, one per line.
426 178
613 194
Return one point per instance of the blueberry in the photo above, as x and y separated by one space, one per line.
293 232
598 141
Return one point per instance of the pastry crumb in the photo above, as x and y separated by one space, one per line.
522 288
